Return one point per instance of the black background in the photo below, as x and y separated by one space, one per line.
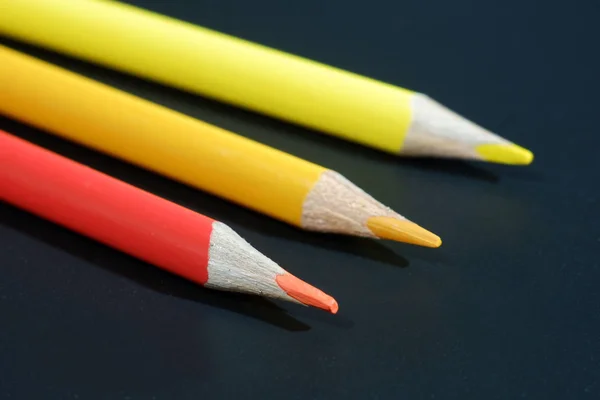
507 308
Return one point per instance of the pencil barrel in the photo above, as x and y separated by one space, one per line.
216 65
154 137
103 208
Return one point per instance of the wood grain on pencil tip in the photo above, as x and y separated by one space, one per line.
435 130
232 70
193 152
143 225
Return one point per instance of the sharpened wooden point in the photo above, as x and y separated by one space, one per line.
306 294
505 154
402 230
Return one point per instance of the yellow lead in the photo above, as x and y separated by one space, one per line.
505 153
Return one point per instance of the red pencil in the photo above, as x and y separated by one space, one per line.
143 225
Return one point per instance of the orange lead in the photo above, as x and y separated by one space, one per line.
306 294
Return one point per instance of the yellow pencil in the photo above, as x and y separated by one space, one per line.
201 155
249 75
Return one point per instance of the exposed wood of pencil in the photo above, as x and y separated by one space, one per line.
143 225
193 58
191 151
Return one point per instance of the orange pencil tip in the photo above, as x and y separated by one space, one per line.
402 230
305 293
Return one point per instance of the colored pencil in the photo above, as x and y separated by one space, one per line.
196 153
256 77
143 225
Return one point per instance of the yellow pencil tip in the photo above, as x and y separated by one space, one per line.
402 230
505 154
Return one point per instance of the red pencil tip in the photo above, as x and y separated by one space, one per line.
306 294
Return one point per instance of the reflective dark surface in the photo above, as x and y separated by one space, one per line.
507 308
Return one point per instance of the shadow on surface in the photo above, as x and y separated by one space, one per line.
142 273
450 167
